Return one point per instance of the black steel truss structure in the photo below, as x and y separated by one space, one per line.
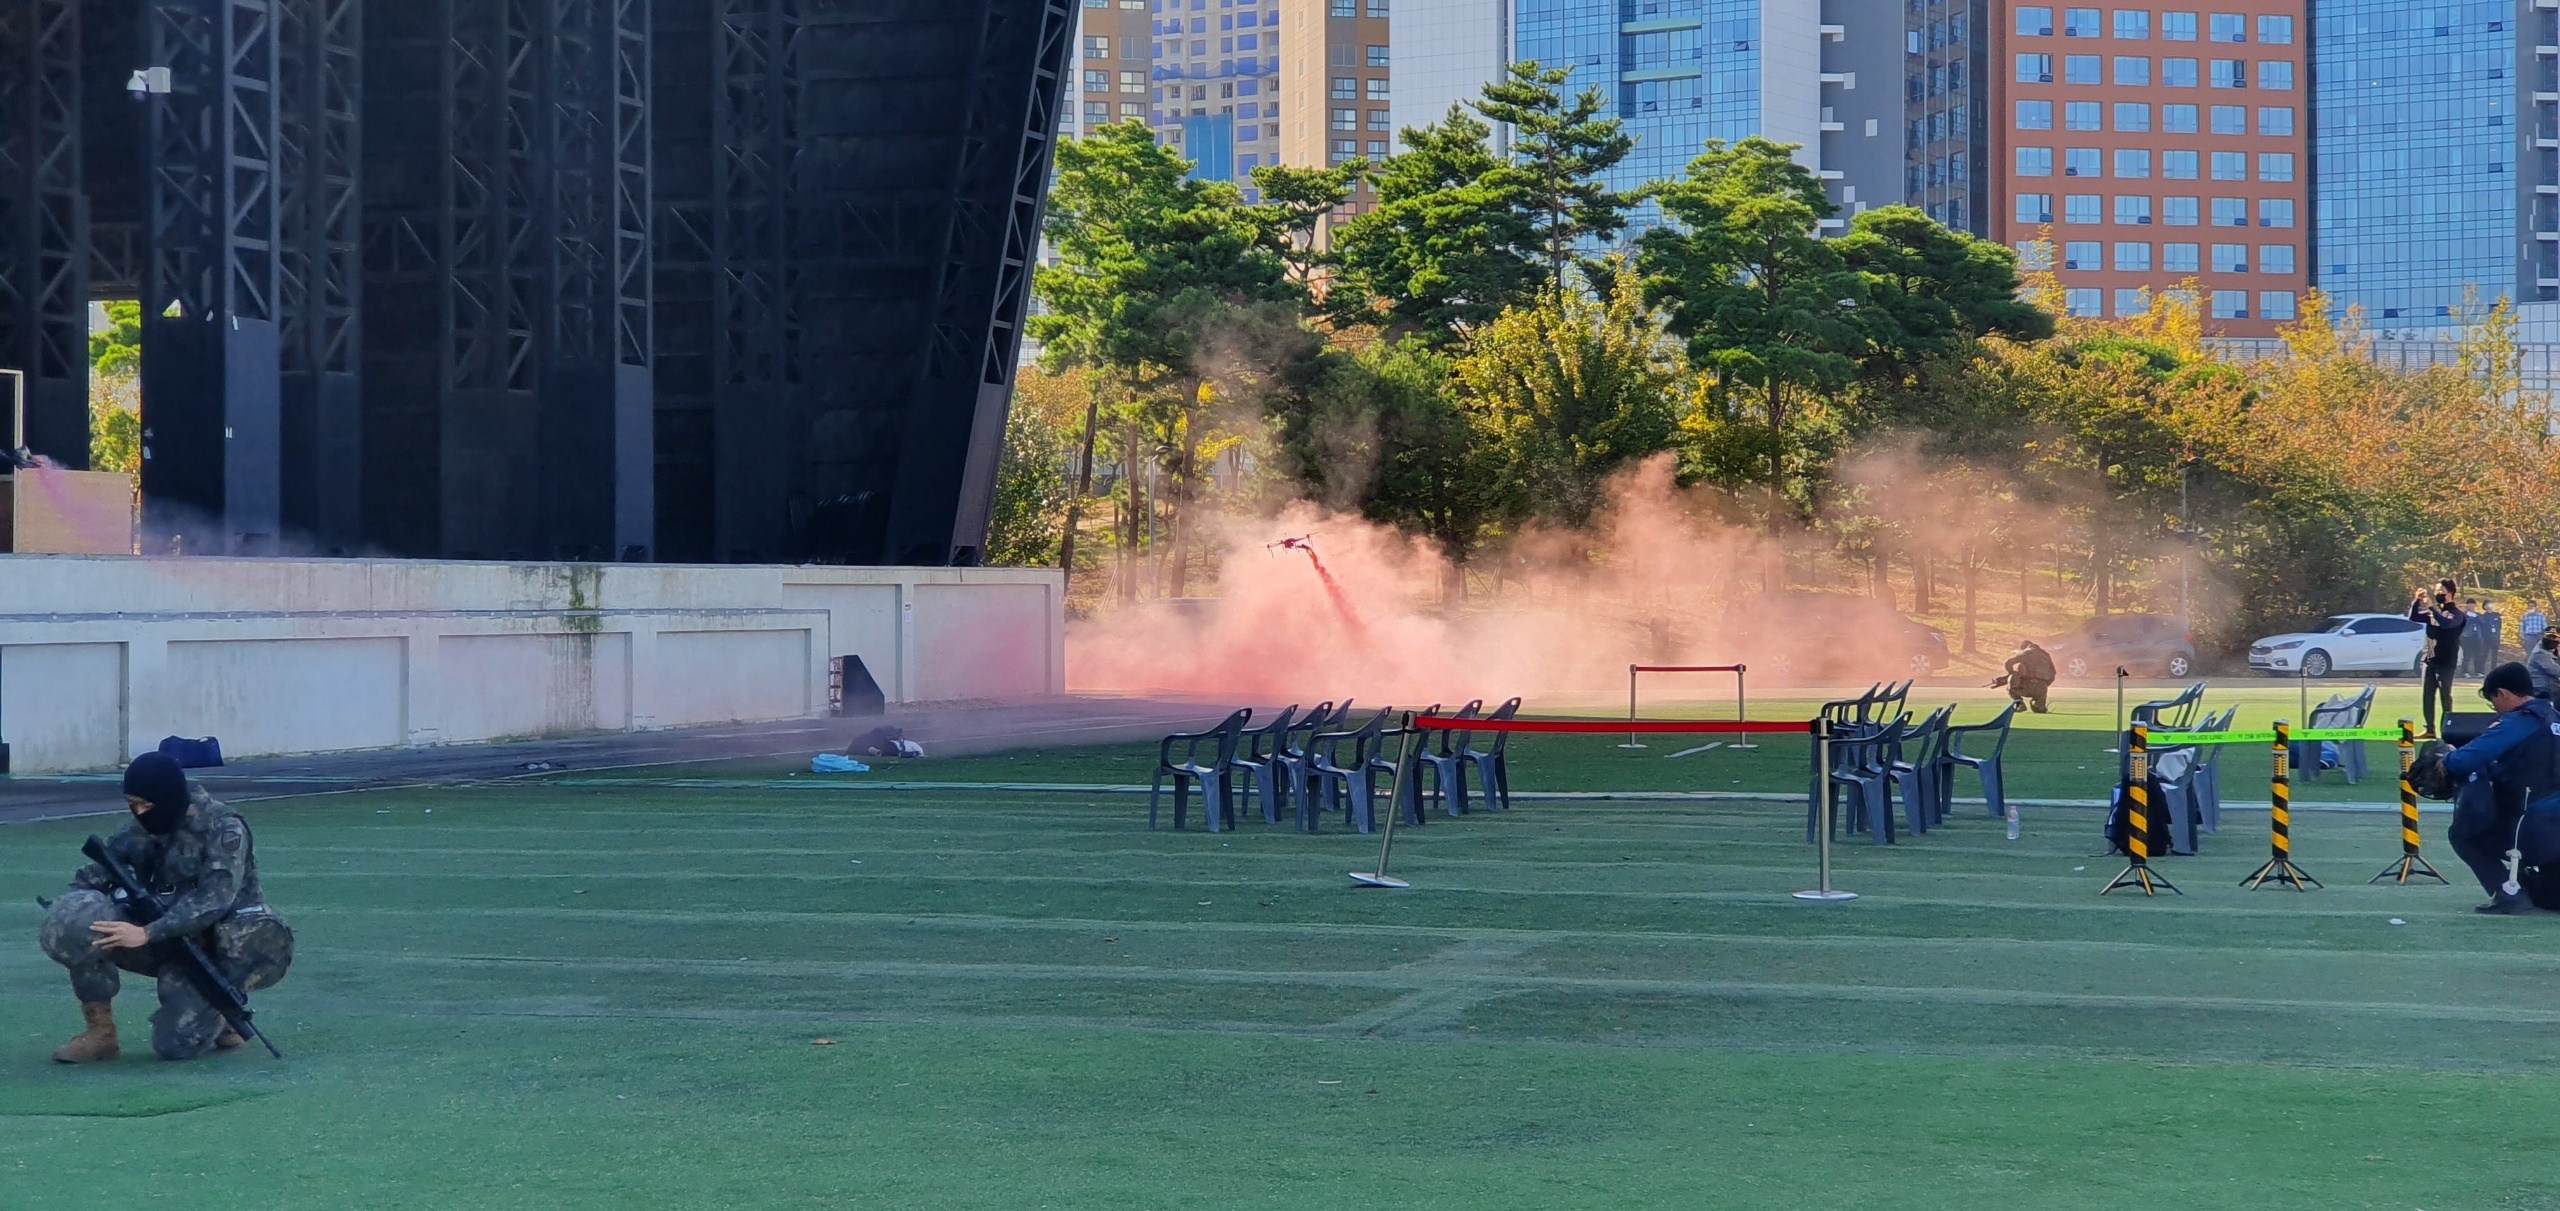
592 279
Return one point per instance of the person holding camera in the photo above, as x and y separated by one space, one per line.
2444 622
2505 813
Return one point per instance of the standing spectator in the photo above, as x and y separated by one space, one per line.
2492 626
2531 627
2444 621
2470 660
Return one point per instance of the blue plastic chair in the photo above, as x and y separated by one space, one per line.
1915 779
1445 767
1211 775
1264 778
1493 765
1351 781
1985 765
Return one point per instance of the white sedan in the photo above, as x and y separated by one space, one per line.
2359 643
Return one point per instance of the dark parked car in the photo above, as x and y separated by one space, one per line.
2145 645
1827 636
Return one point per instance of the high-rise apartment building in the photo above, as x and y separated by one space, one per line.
1445 52
2437 130
1216 93
1336 99
2141 148
1917 132
1109 78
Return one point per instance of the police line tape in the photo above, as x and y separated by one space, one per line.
2268 736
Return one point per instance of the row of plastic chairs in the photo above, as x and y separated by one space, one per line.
2191 784
1320 762
1876 762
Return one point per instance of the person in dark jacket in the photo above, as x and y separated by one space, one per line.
2493 633
197 853
2444 622
2029 676
2543 665
2511 772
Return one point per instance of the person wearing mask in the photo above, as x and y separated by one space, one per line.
2531 628
2493 631
2444 622
2029 676
2543 665
2511 771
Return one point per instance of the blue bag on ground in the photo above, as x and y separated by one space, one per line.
205 753
832 763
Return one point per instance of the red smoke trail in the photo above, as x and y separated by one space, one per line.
1333 590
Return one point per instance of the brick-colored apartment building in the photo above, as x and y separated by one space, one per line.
1334 100
2151 146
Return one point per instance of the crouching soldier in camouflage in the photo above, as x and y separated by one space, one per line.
197 854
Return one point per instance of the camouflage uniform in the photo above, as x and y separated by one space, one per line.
207 873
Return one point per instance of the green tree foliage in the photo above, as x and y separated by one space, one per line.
1449 245
115 368
1380 431
1030 513
1567 392
1561 153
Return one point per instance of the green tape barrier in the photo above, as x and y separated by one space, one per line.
2268 736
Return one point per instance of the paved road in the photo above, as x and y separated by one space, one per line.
950 729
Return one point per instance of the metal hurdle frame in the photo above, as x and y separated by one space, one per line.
1741 698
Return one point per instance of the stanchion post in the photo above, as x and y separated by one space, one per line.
2279 868
1741 706
2120 676
1395 808
1631 709
2137 815
1822 816
2410 863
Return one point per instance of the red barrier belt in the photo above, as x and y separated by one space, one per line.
1611 727
1684 668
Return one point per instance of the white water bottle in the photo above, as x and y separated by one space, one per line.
2013 821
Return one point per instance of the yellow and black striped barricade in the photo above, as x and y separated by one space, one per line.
2137 818
2410 865
2280 869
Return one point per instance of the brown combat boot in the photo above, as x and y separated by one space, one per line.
230 1039
96 1043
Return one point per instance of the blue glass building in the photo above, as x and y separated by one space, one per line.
1678 72
2426 178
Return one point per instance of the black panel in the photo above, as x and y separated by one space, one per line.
44 292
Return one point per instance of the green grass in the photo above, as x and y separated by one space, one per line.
2061 755
569 997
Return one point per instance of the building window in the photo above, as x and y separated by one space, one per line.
2230 119
1377 88
2275 258
2082 303
2229 27
2035 23
1097 47
2035 161
2035 255
1133 82
2133 164
2178 27
2080 208
2275 75
2177 73
1346 88
2230 166
2231 258
2133 257
2133 211
1378 9
2035 69
1342 8
2275 31
2231 212
2178 119
2275 304
2275 212
2178 258
2035 208
2133 24
1346 119
2230 304
2277 120
1131 111
1248 133
1378 147
1346 147
2230 73
2178 165
2275 166
2035 115
2080 162
2079 69
1377 56
2136 301
1199 47
1097 112
2080 115
2133 71
2079 23
2133 117
2178 212
2080 255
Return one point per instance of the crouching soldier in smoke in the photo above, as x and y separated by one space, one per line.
2029 676
198 856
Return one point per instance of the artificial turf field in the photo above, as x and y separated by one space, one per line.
555 996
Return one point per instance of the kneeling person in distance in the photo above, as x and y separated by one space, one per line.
198 856
2510 790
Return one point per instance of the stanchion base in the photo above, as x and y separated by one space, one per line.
1826 896
1364 879
1743 748
2410 867
1635 746
2141 876
2281 872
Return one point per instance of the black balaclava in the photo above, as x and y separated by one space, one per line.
157 778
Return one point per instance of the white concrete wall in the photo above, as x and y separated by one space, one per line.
100 657
1791 76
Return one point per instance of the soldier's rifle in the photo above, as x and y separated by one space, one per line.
142 906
